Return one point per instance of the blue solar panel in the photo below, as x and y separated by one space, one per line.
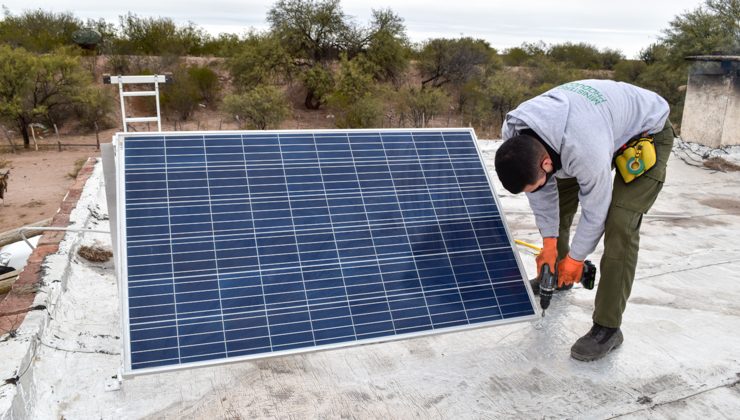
246 244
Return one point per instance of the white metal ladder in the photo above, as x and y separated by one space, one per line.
126 80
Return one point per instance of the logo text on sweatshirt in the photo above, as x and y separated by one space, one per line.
586 91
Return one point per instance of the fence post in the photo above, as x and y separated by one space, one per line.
33 134
59 140
97 136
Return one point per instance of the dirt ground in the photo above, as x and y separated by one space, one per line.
37 184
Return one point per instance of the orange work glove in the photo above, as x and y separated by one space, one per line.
569 271
548 254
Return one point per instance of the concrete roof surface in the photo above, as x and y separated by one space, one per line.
680 357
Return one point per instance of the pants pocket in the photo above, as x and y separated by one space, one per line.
663 142
639 195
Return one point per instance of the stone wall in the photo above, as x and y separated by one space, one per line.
731 129
711 113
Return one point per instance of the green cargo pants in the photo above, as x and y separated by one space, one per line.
621 232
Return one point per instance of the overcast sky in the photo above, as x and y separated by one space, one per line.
627 25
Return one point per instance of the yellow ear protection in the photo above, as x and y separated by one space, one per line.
635 158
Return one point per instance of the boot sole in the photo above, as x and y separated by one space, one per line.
591 357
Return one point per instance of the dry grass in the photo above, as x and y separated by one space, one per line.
79 163
94 253
4 163
33 203
719 164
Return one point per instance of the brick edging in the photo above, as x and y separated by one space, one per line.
18 301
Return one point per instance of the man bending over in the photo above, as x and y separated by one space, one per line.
574 132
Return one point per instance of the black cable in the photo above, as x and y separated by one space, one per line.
682 146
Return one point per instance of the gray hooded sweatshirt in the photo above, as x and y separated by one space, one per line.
585 122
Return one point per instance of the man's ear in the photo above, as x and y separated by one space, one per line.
547 165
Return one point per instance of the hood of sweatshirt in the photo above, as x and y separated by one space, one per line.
546 114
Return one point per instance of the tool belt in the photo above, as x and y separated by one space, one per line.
635 157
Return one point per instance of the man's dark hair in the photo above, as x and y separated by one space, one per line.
518 162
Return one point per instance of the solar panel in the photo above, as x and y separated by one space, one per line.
238 245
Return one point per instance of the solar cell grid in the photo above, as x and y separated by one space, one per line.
249 243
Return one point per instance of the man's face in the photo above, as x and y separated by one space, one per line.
546 171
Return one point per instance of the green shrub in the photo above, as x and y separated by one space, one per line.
38 30
259 59
118 64
261 108
365 112
157 36
206 83
95 107
422 105
515 56
629 70
355 97
504 92
318 82
180 98
37 87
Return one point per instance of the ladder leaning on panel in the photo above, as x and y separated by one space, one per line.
140 80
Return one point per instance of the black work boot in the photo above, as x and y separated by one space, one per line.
596 343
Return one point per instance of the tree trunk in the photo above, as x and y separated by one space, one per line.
23 128
311 101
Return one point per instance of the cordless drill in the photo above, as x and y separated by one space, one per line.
548 281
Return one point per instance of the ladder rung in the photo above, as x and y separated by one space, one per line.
159 78
140 93
141 119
